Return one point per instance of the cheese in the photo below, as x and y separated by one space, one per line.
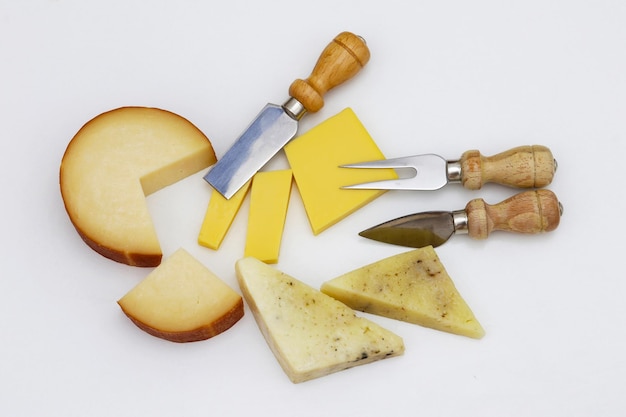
315 157
182 301
413 287
269 199
113 162
310 333
219 217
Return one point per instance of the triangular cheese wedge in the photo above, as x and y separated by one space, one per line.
413 287
182 301
310 333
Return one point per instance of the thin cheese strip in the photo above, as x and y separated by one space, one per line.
269 199
219 217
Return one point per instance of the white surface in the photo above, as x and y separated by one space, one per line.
444 77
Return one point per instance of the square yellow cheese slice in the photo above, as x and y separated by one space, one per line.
315 157
269 199
219 217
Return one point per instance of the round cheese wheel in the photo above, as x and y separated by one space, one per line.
110 166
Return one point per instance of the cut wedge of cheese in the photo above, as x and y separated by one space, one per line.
113 162
413 287
182 301
219 216
315 157
269 200
310 333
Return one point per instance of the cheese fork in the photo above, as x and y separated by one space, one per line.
531 166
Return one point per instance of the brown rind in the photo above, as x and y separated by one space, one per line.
145 260
202 333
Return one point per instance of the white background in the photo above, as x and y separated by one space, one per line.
444 77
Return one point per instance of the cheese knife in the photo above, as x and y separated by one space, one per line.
528 212
275 125
521 167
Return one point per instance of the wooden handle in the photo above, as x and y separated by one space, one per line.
521 167
527 212
340 61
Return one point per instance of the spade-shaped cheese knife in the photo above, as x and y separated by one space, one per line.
521 167
276 125
528 212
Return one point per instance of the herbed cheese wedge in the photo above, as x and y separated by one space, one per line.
310 333
113 162
413 287
182 301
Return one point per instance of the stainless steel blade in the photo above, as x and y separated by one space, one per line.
415 230
266 135
417 172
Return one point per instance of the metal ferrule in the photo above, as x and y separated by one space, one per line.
294 108
459 218
453 171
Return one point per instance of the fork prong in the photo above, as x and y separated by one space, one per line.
427 172
402 162
397 184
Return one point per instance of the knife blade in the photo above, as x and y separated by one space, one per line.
529 212
276 125
530 166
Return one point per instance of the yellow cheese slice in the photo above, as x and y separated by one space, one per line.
219 217
310 333
315 157
411 286
269 199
